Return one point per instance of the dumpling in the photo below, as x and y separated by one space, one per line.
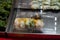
39 24
19 23
22 24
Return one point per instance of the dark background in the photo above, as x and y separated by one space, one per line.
5 6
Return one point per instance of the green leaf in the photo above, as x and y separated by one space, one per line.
2 23
5 6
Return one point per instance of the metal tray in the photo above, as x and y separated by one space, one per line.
51 21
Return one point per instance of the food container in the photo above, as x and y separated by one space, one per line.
47 23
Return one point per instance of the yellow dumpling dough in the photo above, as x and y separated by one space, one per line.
21 22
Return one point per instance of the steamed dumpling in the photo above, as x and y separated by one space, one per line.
27 21
19 23
38 23
22 25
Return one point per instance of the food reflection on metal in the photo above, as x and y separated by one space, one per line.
55 23
48 16
36 4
